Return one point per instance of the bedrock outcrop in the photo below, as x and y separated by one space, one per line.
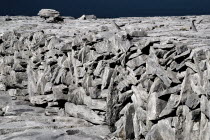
127 78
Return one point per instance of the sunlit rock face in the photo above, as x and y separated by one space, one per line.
126 78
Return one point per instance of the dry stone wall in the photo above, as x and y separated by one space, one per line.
141 87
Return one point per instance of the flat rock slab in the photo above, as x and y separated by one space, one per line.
83 112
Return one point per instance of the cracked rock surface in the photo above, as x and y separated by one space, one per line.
143 78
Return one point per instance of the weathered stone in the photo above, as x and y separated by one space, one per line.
115 26
192 100
190 126
96 104
87 17
145 46
204 103
60 89
129 80
180 48
18 68
77 96
155 106
191 65
83 112
153 67
136 62
172 76
125 96
46 13
44 99
185 86
48 88
171 106
119 45
106 77
129 131
139 122
173 90
204 128
184 54
140 96
157 86
161 131
59 76
113 108
41 99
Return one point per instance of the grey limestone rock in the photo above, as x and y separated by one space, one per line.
51 15
83 112
47 13
161 131
88 17
89 79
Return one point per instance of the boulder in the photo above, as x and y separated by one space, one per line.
87 17
50 15
47 13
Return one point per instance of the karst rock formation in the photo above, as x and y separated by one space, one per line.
145 78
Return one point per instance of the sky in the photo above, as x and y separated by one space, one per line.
107 8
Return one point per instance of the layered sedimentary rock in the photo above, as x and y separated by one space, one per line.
144 78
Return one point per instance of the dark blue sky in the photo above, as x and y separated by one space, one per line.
107 8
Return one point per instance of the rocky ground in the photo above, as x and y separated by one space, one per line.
141 78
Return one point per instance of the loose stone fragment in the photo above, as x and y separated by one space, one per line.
154 106
83 112
153 68
171 106
162 131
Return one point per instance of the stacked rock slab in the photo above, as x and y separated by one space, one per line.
141 87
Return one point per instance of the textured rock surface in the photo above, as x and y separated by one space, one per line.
50 15
131 78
